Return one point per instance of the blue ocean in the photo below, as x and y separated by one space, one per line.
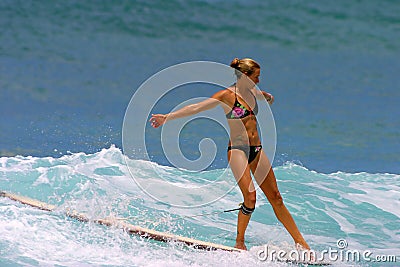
68 70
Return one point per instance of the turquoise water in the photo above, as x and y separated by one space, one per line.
359 207
69 69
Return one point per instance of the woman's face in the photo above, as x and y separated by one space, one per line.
255 76
253 79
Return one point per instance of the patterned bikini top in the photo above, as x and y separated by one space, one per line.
239 111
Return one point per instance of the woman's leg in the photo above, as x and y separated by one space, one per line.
240 169
265 177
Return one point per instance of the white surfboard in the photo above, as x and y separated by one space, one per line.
282 254
129 228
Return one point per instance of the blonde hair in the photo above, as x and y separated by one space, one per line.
244 65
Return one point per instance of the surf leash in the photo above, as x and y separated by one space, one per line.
186 216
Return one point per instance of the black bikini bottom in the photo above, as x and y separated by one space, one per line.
250 151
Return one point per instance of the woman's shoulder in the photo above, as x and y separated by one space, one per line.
224 93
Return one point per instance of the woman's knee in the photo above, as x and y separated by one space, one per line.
250 199
275 198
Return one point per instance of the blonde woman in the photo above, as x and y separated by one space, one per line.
245 154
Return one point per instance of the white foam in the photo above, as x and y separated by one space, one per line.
76 181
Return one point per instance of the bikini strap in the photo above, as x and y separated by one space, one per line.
235 93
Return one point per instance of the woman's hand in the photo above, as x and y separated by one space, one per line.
157 120
269 98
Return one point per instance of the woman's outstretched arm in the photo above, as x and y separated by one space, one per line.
159 119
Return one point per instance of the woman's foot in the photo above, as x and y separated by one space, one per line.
240 245
306 252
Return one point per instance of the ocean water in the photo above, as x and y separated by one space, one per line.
69 69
